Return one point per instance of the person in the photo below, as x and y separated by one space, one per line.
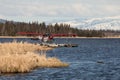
47 38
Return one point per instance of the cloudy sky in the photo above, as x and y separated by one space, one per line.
45 9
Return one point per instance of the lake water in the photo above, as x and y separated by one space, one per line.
93 59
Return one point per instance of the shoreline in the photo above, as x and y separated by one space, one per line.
62 37
15 37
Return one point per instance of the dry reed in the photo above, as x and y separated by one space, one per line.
21 57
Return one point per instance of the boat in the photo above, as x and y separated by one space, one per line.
53 45
71 45
35 39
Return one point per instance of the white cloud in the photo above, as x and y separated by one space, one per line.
1 16
59 8
112 8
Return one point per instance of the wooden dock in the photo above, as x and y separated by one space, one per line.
59 45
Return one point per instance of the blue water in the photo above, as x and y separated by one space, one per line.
93 59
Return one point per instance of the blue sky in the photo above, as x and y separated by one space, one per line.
23 10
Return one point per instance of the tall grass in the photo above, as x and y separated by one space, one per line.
21 57
20 48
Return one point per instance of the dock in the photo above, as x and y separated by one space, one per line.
58 45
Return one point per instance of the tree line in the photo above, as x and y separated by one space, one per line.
10 28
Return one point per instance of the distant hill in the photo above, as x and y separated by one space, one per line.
2 21
95 27
106 23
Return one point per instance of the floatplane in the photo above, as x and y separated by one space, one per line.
47 39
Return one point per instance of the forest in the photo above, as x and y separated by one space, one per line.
11 28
